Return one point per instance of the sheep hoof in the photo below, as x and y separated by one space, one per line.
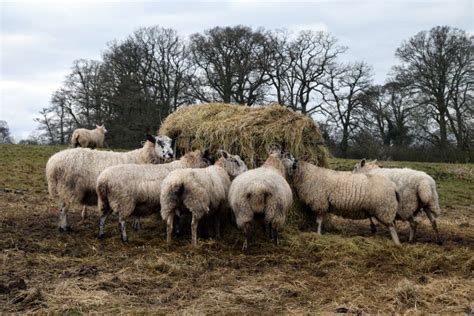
66 229
100 236
125 240
440 242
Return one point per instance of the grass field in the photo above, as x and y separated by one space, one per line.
345 269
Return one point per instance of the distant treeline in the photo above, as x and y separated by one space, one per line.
424 111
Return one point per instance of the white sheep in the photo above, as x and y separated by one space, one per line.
87 138
72 173
263 192
417 192
135 189
199 191
354 196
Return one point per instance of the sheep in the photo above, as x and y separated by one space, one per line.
354 196
199 191
72 173
135 189
263 192
87 138
417 192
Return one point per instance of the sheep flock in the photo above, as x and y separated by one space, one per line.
219 187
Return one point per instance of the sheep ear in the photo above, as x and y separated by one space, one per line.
97 126
150 138
207 155
223 153
362 162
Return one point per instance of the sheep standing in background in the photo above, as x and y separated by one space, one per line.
417 192
135 189
263 192
199 191
72 173
87 138
354 196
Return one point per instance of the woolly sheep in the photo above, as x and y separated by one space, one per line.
417 191
135 189
72 173
354 196
263 192
87 138
199 191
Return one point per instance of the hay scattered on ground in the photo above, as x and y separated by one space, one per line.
246 131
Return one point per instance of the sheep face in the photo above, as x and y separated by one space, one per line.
233 164
164 147
198 159
289 162
364 166
101 128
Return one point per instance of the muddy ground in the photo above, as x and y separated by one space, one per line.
345 270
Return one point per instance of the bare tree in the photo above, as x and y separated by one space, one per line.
299 67
438 65
343 95
388 109
231 65
5 137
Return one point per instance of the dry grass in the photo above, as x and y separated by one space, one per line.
246 131
43 270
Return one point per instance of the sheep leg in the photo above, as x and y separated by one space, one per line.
393 233
123 230
274 235
373 228
435 227
248 234
169 228
413 225
319 220
63 225
194 227
84 213
217 226
177 227
268 230
136 223
102 219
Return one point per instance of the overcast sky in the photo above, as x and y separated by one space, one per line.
40 40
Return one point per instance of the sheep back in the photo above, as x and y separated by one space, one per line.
261 190
72 173
355 196
201 191
416 188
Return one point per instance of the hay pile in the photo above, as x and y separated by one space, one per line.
246 131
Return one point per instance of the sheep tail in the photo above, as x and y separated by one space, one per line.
102 194
429 197
258 198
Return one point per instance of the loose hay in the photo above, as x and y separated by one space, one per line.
246 131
